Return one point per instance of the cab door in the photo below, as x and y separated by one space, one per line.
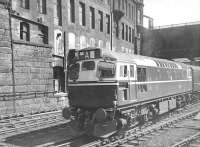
132 82
127 82
123 78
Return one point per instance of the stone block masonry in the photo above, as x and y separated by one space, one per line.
33 72
5 52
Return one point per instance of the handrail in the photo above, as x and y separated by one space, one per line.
22 95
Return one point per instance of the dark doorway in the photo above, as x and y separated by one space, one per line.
59 79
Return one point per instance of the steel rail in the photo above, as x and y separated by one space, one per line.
134 134
31 123
187 141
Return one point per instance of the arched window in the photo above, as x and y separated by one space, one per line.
83 43
100 44
92 42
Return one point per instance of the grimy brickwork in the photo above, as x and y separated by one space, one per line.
32 71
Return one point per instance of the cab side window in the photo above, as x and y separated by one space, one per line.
141 72
131 71
123 71
142 77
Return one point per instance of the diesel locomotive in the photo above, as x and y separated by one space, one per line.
109 91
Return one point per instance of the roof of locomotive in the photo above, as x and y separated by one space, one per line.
140 60
143 60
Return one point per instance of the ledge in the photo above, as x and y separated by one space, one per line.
27 20
31 44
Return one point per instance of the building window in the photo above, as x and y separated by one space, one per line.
133 35
132 14
24 31
100 21
92 17
117 30
122 31
100 44
83 43
126 32
139 17
129 34
122 4
126 8
108 23
71 41
129 10
92 42
119 4
25 4
108 45
72 11
81 13
41 5
44 34
59 12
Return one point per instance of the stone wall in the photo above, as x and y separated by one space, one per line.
33 71
5 52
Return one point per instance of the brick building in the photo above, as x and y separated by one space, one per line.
37 34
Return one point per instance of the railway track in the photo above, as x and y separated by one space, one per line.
14 126
191 141
136 135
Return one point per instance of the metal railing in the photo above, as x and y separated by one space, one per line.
25 95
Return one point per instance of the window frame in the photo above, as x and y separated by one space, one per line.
100 20
108 77
108 23
72 11
82 16
92 17
25 4
42 6
24 25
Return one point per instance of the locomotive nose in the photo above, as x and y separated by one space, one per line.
66 113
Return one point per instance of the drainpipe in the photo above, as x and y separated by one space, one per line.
12 51
65 62
111 24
